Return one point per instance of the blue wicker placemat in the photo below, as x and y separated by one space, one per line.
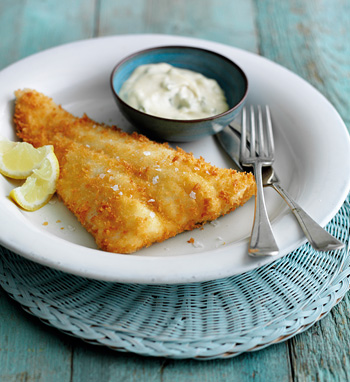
214 319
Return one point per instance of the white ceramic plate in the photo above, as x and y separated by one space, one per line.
312 159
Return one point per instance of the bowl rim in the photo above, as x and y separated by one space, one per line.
187 121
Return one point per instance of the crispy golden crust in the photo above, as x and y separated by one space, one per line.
127 190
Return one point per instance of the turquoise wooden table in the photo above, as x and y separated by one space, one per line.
311 38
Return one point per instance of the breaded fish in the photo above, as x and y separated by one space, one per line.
125 189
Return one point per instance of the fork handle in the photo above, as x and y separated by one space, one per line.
262 241
318 237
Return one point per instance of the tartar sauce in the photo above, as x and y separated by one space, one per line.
165 91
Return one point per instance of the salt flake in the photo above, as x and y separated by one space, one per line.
220 242
192 195
197 244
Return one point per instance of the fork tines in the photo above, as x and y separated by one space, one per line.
259 140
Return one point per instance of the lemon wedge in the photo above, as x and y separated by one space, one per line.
19 159
39 187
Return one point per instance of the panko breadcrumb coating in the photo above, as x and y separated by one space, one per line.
125 189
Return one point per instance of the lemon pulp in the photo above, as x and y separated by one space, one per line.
19 159
40 168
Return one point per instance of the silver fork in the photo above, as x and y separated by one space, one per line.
260 153
317 236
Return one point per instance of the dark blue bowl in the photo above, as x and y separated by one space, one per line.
229 76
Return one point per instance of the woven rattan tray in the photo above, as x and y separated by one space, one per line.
214 319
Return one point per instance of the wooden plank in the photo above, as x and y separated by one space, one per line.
27 27
322 353
93 363
270 364
226 21
9 23
29 350
311 39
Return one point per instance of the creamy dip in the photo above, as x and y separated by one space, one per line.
165 91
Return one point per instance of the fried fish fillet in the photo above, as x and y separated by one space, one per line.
125 189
